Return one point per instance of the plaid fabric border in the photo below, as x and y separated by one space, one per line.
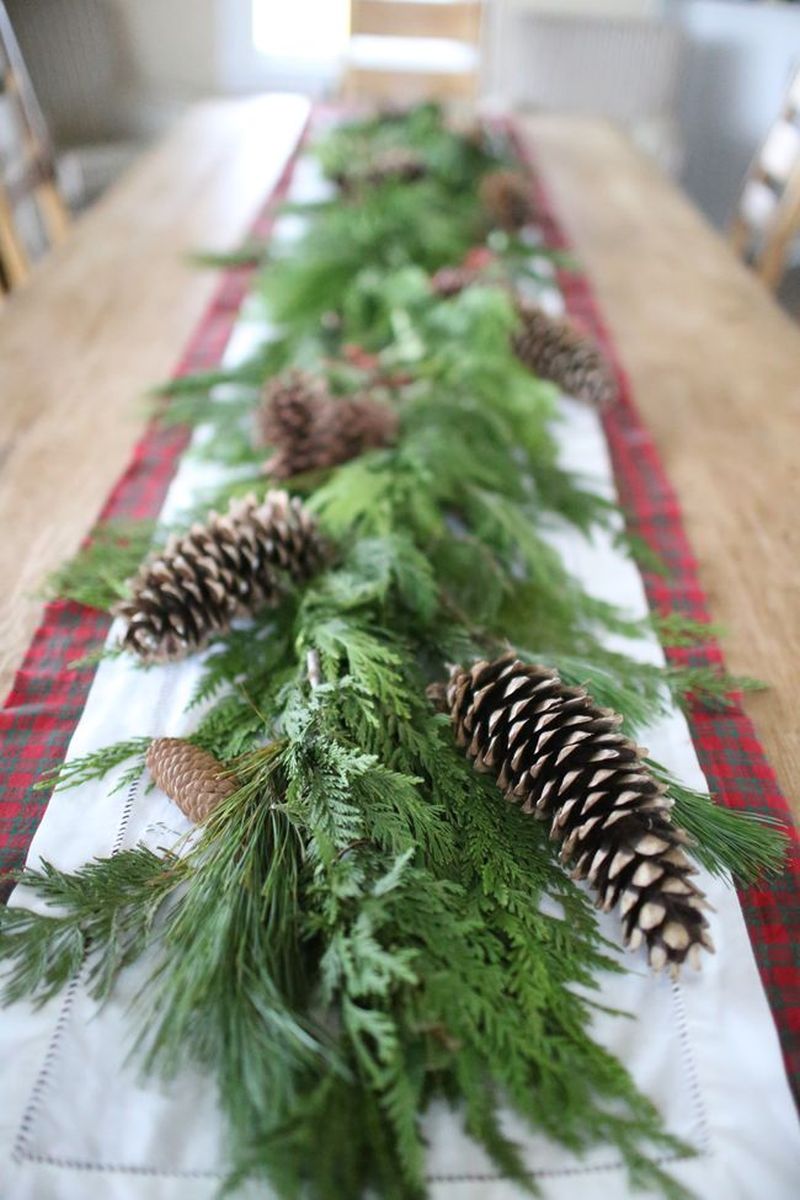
726 743
48 694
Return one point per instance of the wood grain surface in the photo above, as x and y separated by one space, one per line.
714 363
103 318
715 368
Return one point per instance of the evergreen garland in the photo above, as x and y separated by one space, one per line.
357 929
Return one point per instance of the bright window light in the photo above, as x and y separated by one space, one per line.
300 29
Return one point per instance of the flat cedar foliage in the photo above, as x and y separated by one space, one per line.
359 930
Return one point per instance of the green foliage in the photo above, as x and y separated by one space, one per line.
231 973
96 764
251 254
747 845
249 373
106 913
454 161
359 930
97 575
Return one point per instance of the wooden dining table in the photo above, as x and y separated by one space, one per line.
713 361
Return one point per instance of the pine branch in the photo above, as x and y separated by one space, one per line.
232 972
709 686
97 575
199 407
270 359
106 915
748 845
676 629
251 254
96 764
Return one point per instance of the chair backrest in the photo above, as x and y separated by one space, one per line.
408 50
32 213
768 211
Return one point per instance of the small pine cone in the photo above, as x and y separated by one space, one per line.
357 423
556 350
506 197
287 420
190 776
231 566
451 281
565 760
312 430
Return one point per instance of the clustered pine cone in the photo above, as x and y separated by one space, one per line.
193 778
398 164
506 197
564 759
232 565
310 429
555 349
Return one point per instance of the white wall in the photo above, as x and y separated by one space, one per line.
738 60
183 50
171 42
171 49
589 8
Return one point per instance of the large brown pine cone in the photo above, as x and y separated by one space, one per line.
310 429
191 777
231 566
565 760
555 349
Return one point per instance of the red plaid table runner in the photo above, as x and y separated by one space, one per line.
48 695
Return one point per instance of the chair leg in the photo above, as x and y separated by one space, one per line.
739 236
785 228
54 212
16 267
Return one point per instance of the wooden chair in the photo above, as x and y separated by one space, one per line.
31 208
768 214
409 50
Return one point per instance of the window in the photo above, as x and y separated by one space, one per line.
312 30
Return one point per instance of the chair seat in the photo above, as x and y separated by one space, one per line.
757 204
441 56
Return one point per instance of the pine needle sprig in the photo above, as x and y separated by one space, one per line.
106 914
749 845
97 575
228 1002
250 254
96 764
270 359
204 408
709 686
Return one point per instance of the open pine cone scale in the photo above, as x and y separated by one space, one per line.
565 760
310 429
234 565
